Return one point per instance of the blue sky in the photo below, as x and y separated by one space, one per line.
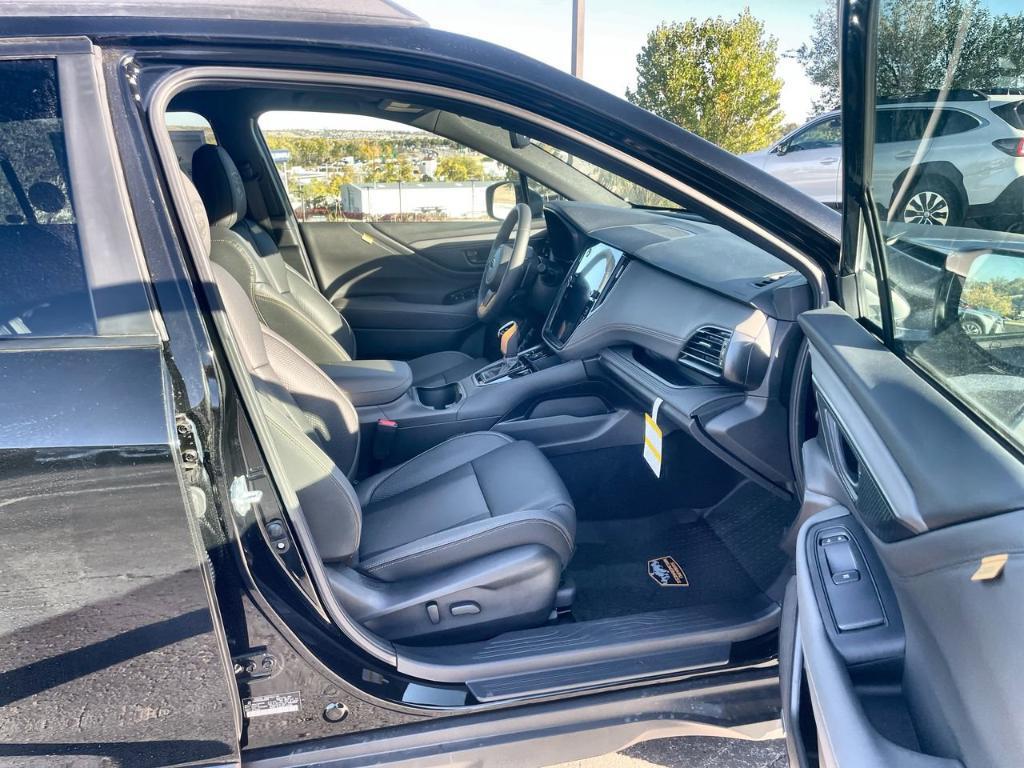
614 33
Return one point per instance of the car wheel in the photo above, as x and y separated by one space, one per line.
972 327
931 201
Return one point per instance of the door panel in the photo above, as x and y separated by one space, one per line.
814 172
110 648
407 288
911 662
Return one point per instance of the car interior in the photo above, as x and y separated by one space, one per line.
462 408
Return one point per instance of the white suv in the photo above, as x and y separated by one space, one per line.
971 168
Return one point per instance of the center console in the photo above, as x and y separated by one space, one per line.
535 358
532 393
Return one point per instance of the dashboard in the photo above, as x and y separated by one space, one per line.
672 306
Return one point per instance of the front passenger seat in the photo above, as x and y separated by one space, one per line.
466 540
284 300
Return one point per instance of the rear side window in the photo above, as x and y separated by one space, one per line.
43 290
951 121
1012 113
911 124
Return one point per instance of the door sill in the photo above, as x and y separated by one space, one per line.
590 654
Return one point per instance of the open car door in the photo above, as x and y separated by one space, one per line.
902 642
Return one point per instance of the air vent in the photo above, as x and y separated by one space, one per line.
705 349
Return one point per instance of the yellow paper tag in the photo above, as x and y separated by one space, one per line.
991 568
652 439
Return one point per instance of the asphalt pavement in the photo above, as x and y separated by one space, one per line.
692 752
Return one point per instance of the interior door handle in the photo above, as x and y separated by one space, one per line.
476 256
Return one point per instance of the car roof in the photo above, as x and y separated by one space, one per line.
376 12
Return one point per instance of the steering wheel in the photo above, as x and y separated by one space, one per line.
506 263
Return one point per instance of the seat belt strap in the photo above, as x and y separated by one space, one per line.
254 195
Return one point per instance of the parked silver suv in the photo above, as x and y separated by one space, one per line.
971 168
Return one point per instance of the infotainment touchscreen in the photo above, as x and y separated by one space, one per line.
591 275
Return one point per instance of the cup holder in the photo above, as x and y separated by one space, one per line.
441 397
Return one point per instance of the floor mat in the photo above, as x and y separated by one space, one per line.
751 522
614 576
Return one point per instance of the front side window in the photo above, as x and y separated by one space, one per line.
43 289
827 133
948 189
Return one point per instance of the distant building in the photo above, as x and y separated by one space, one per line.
442 199
427 167
494 169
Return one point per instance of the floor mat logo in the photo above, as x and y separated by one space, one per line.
666 572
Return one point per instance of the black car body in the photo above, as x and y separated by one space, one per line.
161 606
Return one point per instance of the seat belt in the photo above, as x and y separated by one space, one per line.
258 209
254 195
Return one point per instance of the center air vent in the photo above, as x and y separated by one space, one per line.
705 349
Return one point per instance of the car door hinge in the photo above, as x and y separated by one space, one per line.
190 449
242 496
255 665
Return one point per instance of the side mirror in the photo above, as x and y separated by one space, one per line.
501 199
991 301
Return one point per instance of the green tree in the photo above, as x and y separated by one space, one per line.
389 172
993 294
919 42
459 168
714 77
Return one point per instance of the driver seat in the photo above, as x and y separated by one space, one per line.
286 303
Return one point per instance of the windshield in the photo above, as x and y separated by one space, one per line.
624 189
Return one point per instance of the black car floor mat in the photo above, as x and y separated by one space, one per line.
661 562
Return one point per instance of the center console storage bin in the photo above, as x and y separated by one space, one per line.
371 382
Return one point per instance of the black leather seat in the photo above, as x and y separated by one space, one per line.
286 302
464 540
472 495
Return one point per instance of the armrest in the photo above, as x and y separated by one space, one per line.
371 382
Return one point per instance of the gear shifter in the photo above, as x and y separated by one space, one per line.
509 338
509 335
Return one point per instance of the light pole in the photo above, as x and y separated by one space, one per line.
578 10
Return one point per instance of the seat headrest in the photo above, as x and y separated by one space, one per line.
220 185
195 204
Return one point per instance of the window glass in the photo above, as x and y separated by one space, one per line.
624 189
188 131
546 194
43 289
339 167
827 133
947 184
953 121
